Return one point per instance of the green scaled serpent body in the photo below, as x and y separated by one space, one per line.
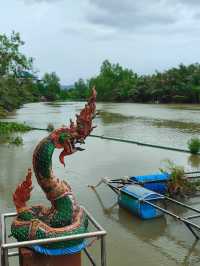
64 217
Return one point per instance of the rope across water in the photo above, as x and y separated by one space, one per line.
133 142
140 143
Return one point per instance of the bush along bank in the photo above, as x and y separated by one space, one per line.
8 131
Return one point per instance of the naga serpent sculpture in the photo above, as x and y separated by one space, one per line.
65 217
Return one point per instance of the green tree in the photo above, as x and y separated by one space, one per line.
81 89
15 87
114 83
12 61
50 87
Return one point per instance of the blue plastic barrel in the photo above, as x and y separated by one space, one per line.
131 196
156 182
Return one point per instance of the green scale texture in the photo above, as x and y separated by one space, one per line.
22 234
63 216
80 230
43 161
64 208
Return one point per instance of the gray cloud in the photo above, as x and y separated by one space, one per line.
131 20
197 16
143 35
41 1
189 2
130 15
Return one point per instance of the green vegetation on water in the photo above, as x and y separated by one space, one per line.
13 127
8 138
194 145
7 129
179 184
15 140
109 117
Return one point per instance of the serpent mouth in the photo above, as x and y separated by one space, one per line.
70 147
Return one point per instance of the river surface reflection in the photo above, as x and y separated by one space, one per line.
130 241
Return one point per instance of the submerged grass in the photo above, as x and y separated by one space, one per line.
179 184
7 138
108 117
188 127
194 161
16 140
180 125
9 128
13 127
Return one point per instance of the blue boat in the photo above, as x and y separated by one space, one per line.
132 196
156 182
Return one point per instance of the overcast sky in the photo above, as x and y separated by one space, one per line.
73 37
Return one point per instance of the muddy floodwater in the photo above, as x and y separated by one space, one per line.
130 241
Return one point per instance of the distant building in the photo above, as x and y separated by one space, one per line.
27 75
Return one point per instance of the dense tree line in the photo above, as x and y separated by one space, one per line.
18 81
114 83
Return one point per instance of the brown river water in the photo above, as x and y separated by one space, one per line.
130 241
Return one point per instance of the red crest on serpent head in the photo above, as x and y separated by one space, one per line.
23 191
68 137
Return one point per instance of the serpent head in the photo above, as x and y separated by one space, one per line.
68 137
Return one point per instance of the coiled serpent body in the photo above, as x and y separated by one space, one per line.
65 216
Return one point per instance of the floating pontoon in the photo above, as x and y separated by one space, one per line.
134 195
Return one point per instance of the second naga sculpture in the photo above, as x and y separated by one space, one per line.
65 216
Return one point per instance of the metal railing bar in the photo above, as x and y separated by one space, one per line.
90 217
52 240
93 221
3 235
192 216
89 257
103 251
191 229
6 246
10 214
12 254
5 257
172 214
182 204
161 209
193 172
153 199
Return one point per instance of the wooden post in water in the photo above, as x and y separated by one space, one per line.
28 257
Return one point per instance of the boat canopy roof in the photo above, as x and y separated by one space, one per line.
140 192
157 177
